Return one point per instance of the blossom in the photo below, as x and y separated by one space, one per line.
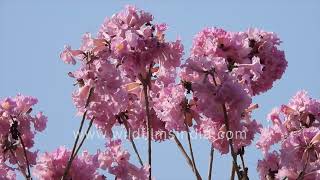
252 56
18 127
68 55
51 166
295 127
6 172
217 92
301 112
128 49
116 161
269 166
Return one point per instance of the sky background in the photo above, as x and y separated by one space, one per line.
32 34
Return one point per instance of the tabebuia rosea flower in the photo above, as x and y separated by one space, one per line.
252 57
116 161
129 51
7 172
18 127
51 166
213 87
295 129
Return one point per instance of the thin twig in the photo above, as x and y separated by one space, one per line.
245 169
190 149
83 139
145 83
18 164
226 122
126 125
301 175
184 153
210 162
233 171
146 98
65 174
233 154
26 157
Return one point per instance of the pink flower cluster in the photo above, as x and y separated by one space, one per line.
252 57
51 166
116 161
213 88
18 128
129 50
7 172
295 127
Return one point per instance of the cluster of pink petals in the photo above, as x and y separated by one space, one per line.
116 161
171 106
51 166
7 172
252 57
16 120
296 128
213 87
128 49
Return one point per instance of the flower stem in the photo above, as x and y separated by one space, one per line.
65 174
301 175
226 122
245 169
18 164
233 154
83 139
210 162
146 98
26 157
126 125
184 153
191 150
233 170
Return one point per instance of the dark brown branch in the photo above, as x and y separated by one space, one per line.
226 122
126 125
184 153
301 175
18 164
26 157
65 174
146 98
191 150
210 162
245 169
233 171
233 154
83 139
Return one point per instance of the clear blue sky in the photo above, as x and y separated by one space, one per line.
32 33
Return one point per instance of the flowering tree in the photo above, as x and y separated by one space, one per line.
129 76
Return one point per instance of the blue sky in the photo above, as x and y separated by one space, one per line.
32 33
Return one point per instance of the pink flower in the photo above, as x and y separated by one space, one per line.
68 55
252 56
214 87
40 122
16 120
51 166
6 172
126 48
269 166
132 39
116 161
295 127
171 107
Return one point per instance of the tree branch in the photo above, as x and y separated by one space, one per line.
65 174
184 153
210 162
